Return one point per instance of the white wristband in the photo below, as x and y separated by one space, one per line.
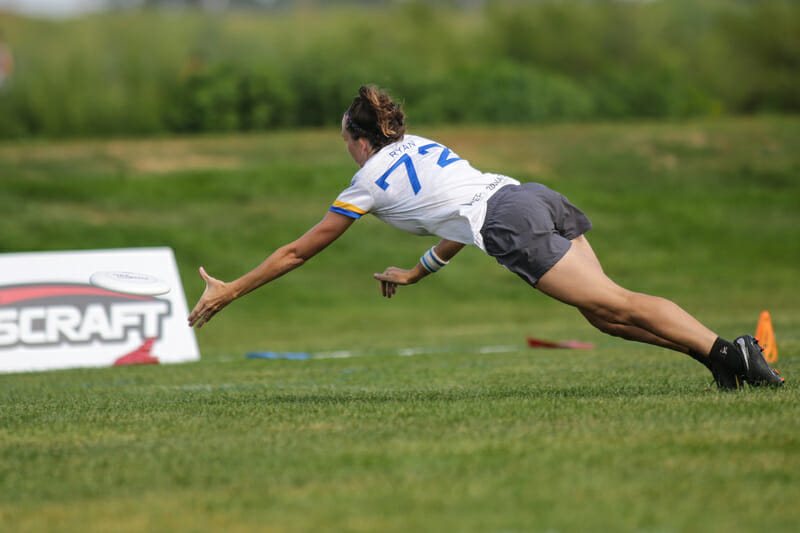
432 262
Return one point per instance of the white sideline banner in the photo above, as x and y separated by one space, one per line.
51 317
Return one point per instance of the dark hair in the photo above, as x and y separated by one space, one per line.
374 116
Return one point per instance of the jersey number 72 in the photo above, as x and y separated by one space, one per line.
411 172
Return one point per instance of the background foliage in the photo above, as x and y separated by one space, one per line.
152 72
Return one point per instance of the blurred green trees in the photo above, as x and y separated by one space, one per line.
156 72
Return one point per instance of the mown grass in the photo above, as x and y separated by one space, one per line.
522 441
620 438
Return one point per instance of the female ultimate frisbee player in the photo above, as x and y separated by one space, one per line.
420 186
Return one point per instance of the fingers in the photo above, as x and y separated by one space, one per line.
390 279
392 275
201 315
204 309
388 288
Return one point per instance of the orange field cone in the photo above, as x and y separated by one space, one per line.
766 337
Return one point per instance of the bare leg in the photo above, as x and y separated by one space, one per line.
578 280
631 333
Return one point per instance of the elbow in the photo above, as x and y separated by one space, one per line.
296 262
294 257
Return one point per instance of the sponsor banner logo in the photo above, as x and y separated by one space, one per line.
73 315
60 324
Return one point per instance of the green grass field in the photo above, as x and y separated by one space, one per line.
623 437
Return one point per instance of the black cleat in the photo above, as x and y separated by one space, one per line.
723 376
756 369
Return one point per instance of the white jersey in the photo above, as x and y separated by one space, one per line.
421 187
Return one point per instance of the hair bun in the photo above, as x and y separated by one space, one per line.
375 116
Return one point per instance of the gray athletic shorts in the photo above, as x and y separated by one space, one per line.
528 228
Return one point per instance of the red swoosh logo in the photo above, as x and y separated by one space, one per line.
12 295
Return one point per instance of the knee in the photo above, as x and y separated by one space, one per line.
610 328
619 309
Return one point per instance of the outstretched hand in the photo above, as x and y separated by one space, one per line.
214 298
392 277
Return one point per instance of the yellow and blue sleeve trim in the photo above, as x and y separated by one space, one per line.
348 210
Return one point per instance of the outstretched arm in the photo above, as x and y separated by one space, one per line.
218 294
393 276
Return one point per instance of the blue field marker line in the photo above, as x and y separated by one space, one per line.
293 356
403 352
